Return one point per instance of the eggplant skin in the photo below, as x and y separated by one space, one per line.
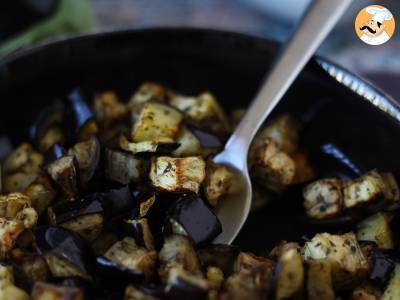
47 291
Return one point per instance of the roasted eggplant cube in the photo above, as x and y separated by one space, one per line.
20 168
34 268
148 91
156 122
366 292
217 183
392 291
392 188
289 273
252 278
376 228
178 251
381 268
122 167
117 200
177 174
221 256
183 285
127 254
54 135
196 218
343 252
9 232
87 154
323 198
66 253
47 291
108 109
319 281
41 192
207 113
189 144
364 190
64 171
147 147
133 293
273 169
140 231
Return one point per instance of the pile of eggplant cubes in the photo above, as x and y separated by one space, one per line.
115 200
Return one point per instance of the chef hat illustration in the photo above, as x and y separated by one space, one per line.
379 14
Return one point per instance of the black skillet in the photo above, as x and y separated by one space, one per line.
350 127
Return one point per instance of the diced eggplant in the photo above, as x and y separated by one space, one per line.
343 252
104 241
217 182
381 267
48 117
177 174
128 257
108 109
21 168
218 255
148 147
53 153
47 291
251 280
140 231
364 190
392 290
64 171
77 113
9 232
156 122
65 252
12 204
54 135
87 154
376 228
366 292
319 281
189 144
117 200
183 285
34 268
196 218
133 293
41 192
178 252
122 167
323 198
205 111
392 191
304 170
289 272
273 169
148 91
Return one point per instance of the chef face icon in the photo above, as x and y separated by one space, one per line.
374 25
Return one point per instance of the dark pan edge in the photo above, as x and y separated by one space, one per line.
362 87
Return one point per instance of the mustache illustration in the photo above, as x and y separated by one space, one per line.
368 28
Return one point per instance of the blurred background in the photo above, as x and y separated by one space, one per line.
24 22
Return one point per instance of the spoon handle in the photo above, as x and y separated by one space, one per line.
320 18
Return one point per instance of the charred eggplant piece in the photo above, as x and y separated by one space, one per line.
381 268
48 117
118 200
41 192
108 109
208 140
45 291
55 152
87 154
122 167
78 113
64 171
196 218
83 216
65 252
128 261
140 231
147 147
217 183
133 293
183 285
218 255
9 232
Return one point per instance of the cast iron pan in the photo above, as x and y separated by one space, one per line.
350 127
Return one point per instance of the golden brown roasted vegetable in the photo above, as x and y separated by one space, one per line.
47 291
376 228
108 109
319 281
217 182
